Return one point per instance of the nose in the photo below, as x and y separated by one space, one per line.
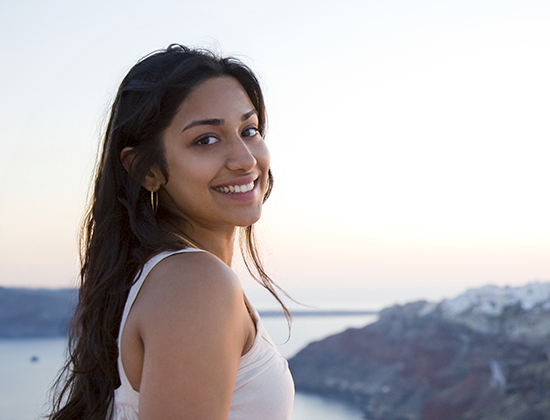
240 157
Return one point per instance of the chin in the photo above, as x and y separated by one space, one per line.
244 222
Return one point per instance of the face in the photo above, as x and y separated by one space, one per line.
217 160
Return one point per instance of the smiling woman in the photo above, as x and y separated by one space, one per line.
212 145
162 328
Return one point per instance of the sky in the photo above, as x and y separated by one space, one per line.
410 139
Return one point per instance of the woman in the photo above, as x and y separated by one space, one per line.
162 329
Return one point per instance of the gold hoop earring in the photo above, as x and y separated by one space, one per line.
154 201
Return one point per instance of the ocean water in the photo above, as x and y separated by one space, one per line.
29 366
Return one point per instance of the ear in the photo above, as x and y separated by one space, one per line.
154 178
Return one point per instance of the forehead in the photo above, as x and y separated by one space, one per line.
219 97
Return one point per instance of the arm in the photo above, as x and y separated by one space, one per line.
194 328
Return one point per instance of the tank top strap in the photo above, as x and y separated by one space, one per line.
142 275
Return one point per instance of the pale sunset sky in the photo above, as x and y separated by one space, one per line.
410 139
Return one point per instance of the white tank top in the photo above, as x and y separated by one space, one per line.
264 388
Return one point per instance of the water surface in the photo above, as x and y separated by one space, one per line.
28 368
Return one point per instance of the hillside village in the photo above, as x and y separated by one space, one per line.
482 355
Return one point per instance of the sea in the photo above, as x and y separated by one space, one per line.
29 366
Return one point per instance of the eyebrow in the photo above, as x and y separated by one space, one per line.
249 114
211 121
218 121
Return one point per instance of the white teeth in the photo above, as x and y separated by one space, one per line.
232 189
248 187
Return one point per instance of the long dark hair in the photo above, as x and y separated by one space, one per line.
120 230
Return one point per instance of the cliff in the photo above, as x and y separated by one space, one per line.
35 312
483 355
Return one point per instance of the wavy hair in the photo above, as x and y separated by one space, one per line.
120 231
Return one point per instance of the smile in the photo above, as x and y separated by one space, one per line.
235 189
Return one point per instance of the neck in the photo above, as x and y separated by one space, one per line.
220 244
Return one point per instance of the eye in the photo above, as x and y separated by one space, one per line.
206 140
250 132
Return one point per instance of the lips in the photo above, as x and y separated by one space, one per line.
235 189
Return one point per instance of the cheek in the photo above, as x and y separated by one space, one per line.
190 170
185 182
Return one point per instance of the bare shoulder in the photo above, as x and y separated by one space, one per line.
189 282
193 267
192 324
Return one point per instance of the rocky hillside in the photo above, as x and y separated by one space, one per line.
483 355
35 312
